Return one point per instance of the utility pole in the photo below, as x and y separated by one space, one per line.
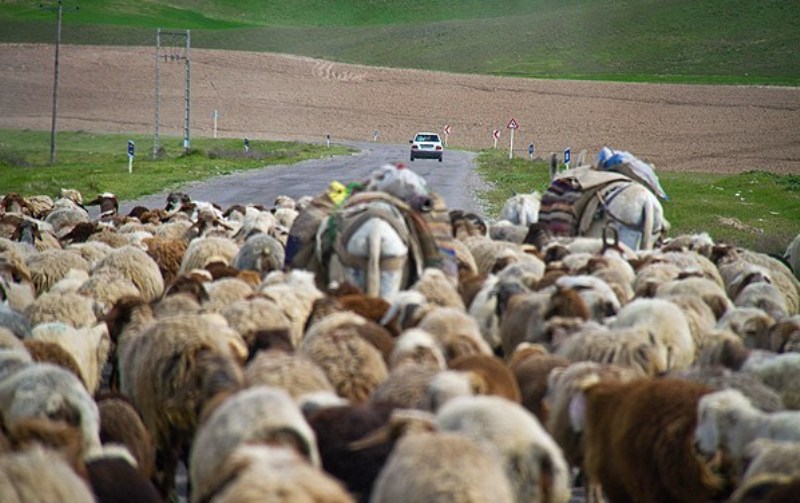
60 10
166 49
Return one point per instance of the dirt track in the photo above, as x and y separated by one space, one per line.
677 127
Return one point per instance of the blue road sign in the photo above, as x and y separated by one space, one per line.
566 156
131 148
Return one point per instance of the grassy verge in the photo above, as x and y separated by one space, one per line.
95 163
756 209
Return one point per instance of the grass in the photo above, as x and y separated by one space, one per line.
756 209
95 163
708 42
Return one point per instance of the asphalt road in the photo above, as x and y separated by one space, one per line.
454 178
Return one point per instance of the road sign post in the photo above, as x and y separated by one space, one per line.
375 135
216 115
327 140
566 157
512 125
496 136
530 151
131 153
446 133
246 145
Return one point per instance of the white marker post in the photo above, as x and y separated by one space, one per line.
566 157
215 123
530 151
328 140
446 133
131 153
512 125
375 135
496 136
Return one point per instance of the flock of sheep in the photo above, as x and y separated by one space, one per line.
133 344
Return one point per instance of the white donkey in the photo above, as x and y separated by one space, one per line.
377 247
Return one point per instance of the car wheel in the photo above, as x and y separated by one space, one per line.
440 158
412 158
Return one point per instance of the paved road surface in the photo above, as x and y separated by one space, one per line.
454 178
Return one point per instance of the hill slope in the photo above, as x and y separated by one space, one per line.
709 41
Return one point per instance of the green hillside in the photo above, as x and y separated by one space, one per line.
708 41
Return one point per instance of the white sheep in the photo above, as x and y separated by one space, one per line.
47 391
224 292
41 476
728 421
295 374
49 266
295 293
203 251
792 255
261 253
138 267
533 463
522 209
712 293
70 308
780 372
249 315
441 467
455 331
666 322
258 473
417 347
89 346
261 414
749 323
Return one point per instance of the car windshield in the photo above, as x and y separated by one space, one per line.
427 137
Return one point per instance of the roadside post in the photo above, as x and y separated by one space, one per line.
496 136
446 133
246 145
131 153
566 157
375 135
530 151
328 140
216 115
512 125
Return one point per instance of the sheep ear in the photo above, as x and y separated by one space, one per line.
577 412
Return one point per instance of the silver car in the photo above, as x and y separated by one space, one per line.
426 146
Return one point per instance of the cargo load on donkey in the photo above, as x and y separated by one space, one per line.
618 191
379 237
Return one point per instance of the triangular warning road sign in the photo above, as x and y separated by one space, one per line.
512 124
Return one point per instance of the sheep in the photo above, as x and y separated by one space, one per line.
10 341
337 428
295 374
520 315
405 386
105 287
440 467
456 332
765 296
418 347
258 414
248 316
494 376
40 205
483 308
89 347
598 295
171 371
533 463
780 274
780 372
48 391
718 377
203 251
767 461
784 336
253 474
652 275
49 266
711 293
522 209
749 323
505 230
70 308
634 458
92 251
728 422
562 385
64 219
792 255
352 364
168 254
38 475
121 424
51 352
666 322
138 267
447 385
438 289
224 292
14 321
630 347
531 367
261 253
113 477
295 293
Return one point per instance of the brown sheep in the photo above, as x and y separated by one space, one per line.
496 378
639 441
168 254
121 424
531 367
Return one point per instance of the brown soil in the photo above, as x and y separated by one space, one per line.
268 96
